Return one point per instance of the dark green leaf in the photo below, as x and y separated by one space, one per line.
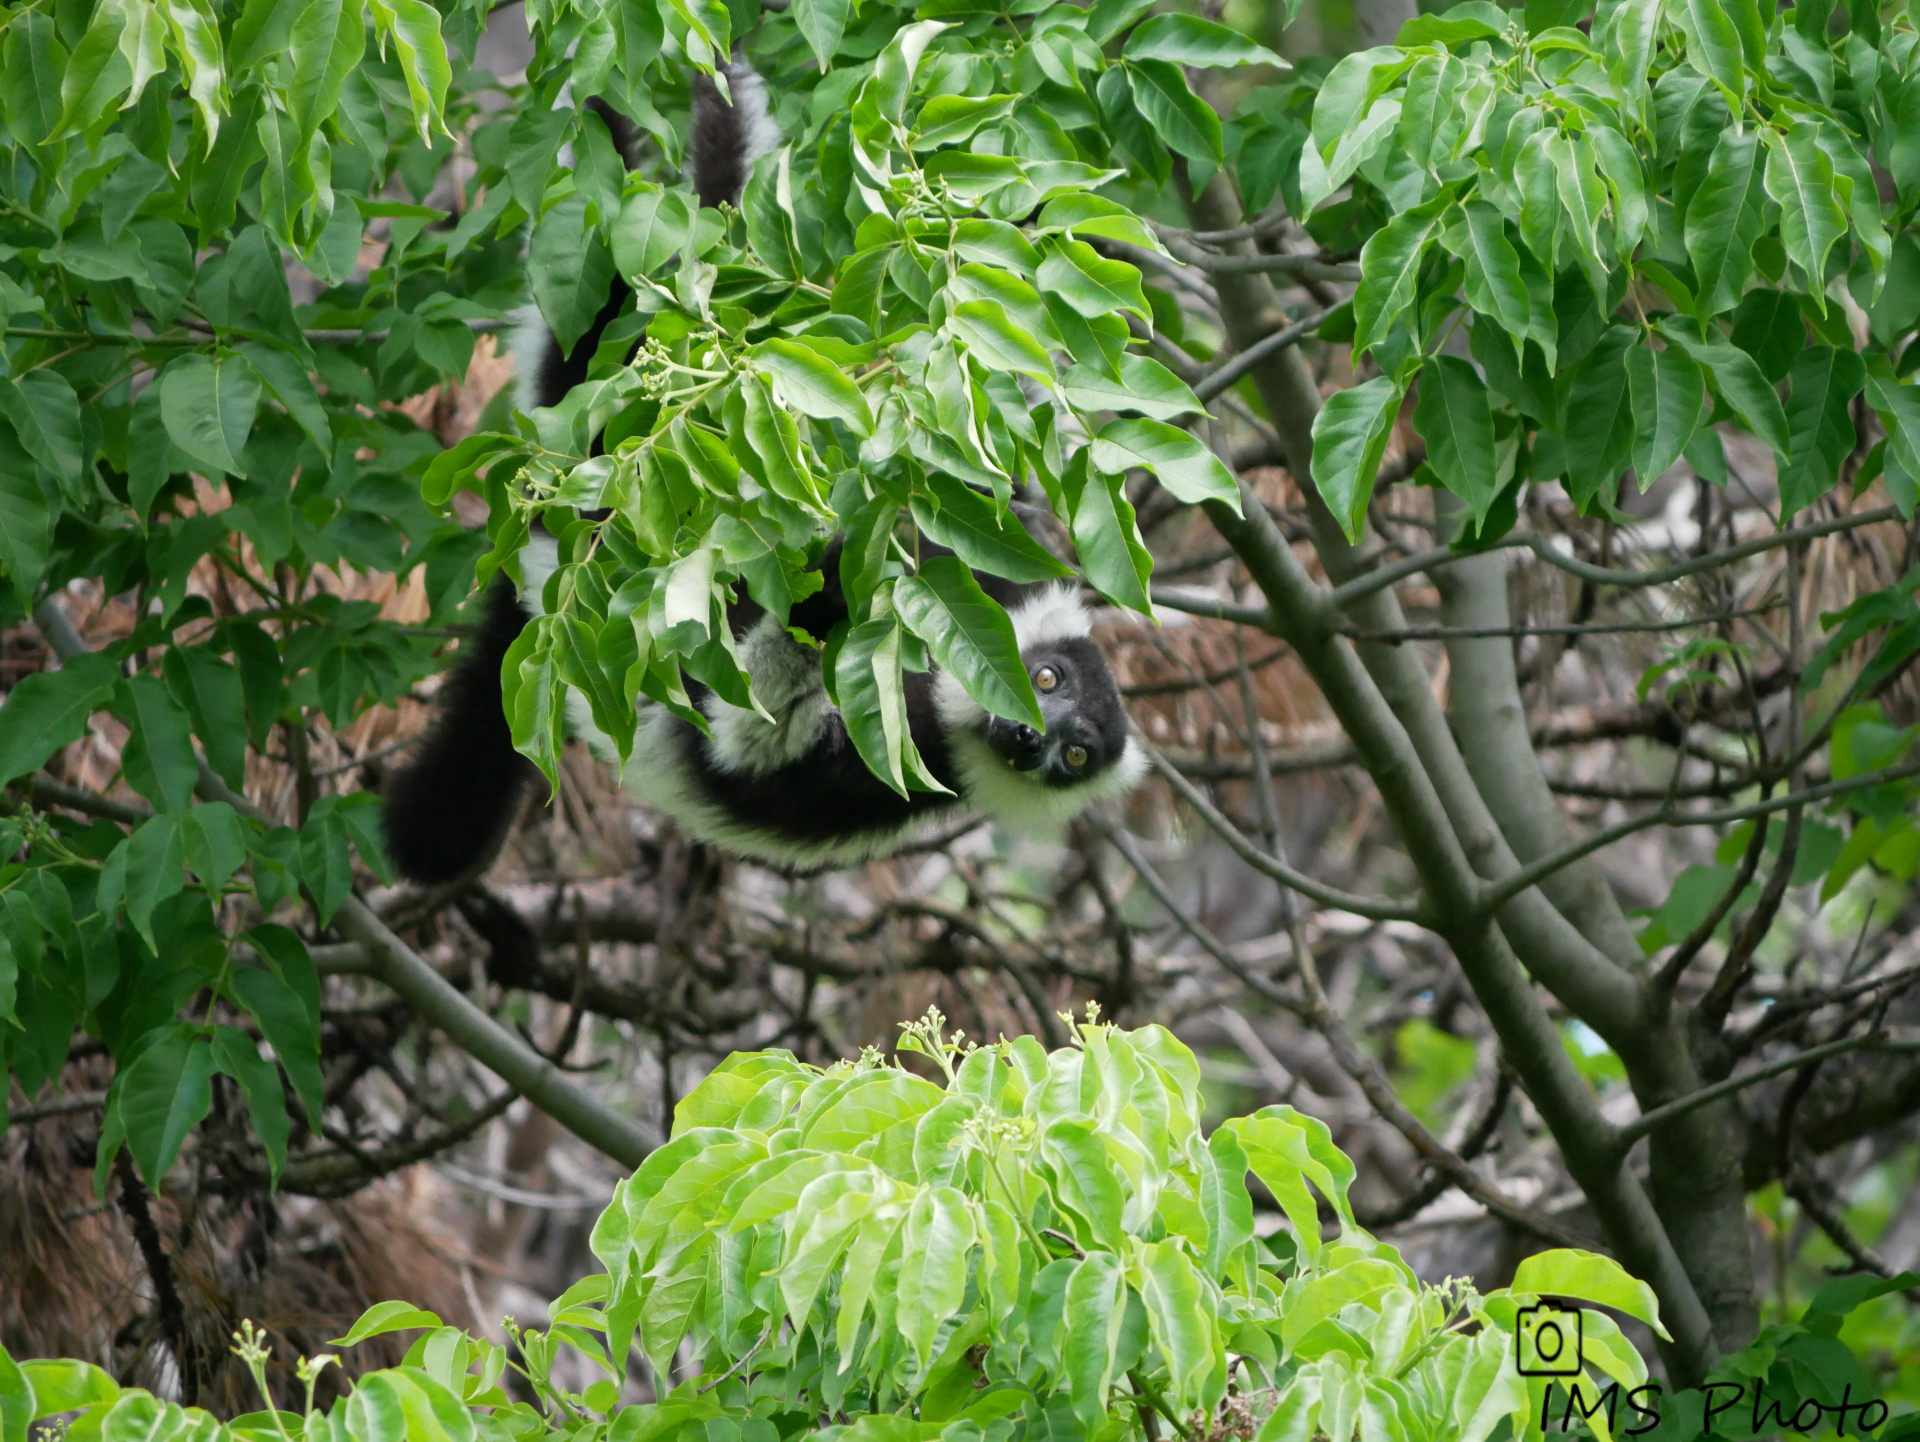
235 1054
1456 421
159 759
1666 389
1185 122
1189 40
1724 218
211 691
970 637
569 268
1349 438
208 408
1819 423
1189 471
49 709
1106 534
967 523
1599 430
1389 266
162 1097
45 414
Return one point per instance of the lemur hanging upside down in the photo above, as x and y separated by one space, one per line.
792 790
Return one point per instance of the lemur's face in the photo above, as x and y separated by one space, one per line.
1086 722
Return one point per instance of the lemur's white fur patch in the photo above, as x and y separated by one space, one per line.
1020 800
527 344
749 94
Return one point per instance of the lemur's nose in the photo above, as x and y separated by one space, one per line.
1020 747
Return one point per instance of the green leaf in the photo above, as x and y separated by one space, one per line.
1190 472
1724 218
35 64
384 1317
1095 1313
49 709
532 144
821 24
652 226
1819 423
324 861
1800 177
1092 285
1477 234
25 525
894 71
1389 267
98 73
414 28
1586 1277
1600 420
216 844
159 760
1189 40
196 40
1453 416
1349 438
968 524
1090 214
933 1265
867 679
970 636
996 342
950 119
813 385
775 447
1666 388
1106 534
289 1021
210 689
1713 42
164 1095
1183 1330
154 870
287 382
235 1054
326 43
569 269
1736 379
1144 385
1185 122
45 414
208 408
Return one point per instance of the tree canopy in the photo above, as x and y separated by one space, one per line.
1481 293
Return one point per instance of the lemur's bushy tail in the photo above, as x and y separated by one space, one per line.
449 810
728 138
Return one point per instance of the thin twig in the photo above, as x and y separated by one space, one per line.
1631 1132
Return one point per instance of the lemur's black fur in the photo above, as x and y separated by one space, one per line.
448 811
784 782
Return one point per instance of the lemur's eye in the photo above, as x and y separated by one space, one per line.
1076 756
1045 679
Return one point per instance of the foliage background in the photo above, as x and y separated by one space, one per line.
293 642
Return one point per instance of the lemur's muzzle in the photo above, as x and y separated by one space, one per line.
1016 743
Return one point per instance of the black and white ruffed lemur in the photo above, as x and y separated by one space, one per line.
791 790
